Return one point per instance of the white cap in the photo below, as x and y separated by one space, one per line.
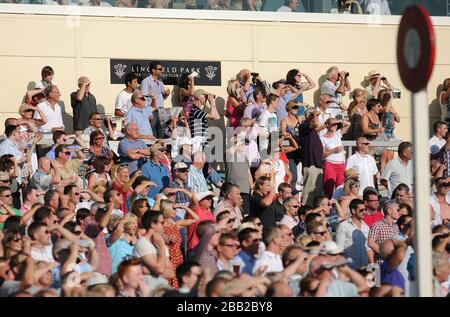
331 248
203 195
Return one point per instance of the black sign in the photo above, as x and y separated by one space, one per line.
209 73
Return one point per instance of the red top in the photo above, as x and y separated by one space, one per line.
234 114
117 186
371 219
192 239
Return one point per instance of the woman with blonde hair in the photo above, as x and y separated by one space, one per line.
171 232
122 182
444 99
235 103
356 110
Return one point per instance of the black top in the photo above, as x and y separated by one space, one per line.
272 214
310 146
82 110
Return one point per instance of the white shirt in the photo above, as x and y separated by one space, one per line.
269 259
289 221
366 168
396 172
378 7
54 116
435 145
331 143
284 9
437 211
323 116
123 101
268 123
44 254
354 243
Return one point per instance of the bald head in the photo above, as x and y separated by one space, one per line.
316 263
44 164
82 80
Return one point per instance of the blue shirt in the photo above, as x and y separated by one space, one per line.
141 118
124 146
149 85
247 262
7 147
157 173
120 251
51 155
281 111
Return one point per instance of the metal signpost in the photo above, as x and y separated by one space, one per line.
415 57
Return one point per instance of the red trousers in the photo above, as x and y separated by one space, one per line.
333 176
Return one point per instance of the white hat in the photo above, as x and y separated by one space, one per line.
202 195
180 165
330 247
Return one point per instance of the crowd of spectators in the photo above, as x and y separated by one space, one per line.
289 214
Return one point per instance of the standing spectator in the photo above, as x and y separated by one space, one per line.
336 85
188 275
399 170
271 257
237 171
196 180
226 251
372 202
123 100
444 99
184 194
253 111
437 141
140 115
171 233
290 218
281 90
152 251
235 104
364 164
378 7
370 121
440 208
156 171
374 82
384 229
352 235
186 88
312 157
153 86
131 148
51 110
205 252
204 212
47 74
294 79
356 109
122 183
334 158
230 202
324 112
267 122
93 227
83 104
198 118
249 240
262 197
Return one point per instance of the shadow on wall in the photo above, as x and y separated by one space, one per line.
67 117
316 96
435 108
220 104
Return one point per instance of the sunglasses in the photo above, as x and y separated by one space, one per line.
258 224
231 246
295 107
7 196
322 233
367 143
231 221
5 181
297 206
142 98
99 138
182 171
77 233
47 232
77 194
16 239
97 119
159 68
29 110
67 152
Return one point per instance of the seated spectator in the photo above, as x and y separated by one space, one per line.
232 198
444 155
141 187
95 124
440 272
61 138
371 124
42 244
302 213
99 180
373 212
291 6
227 249
132 280
156 171
9 145
318 231
188 275
249 240
123 100
141 116
196 180
51 110
254 110
122 183
83 105
290 218
198 118
262 197
271 257
295 262
132 149
440 208
399 170
69 168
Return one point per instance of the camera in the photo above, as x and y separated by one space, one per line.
247 141
339 125
396 93
254 79
206 97
346 75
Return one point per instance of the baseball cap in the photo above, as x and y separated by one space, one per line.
180 165
4 176
200 92
331 248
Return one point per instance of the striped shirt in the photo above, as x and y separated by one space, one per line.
180 198
196 180
198 123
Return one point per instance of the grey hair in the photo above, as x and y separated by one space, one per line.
133 96
331 70
439 259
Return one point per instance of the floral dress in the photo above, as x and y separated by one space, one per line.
176 257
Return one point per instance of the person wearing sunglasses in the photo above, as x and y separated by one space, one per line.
364 164
249 241
227 249
70 168
51 109
40 235
6 207
141 115
83 103
95 123
291 206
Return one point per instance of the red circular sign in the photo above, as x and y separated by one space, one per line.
415 48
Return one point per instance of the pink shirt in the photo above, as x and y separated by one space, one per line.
234 114
192 229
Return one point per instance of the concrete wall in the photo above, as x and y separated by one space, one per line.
76 46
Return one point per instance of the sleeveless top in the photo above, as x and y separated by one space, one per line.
388 122
295 132
187 103
234 114
445 107
372 126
